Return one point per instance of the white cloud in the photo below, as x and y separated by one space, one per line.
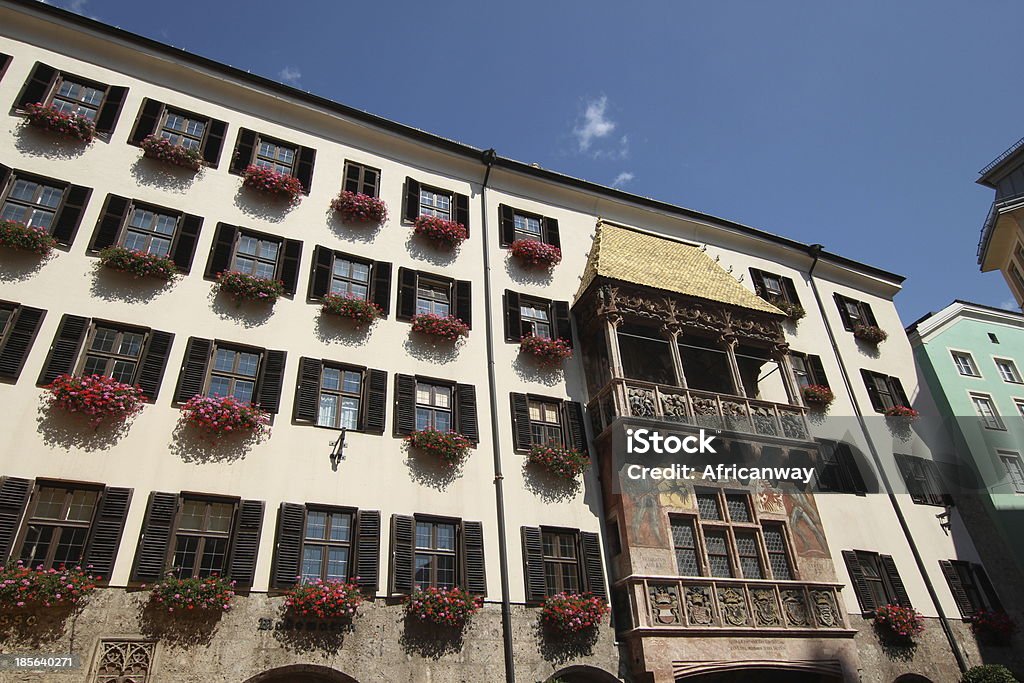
1010 305
290 75
76 6
622 179
595 124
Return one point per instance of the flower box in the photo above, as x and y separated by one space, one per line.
15 235
794 312
70 126
548 351
818 396
570 613
98 397
356 207
442 606
535 253
161 149
870 334
24 588
359 310
443 233
222 415
565 463
212 595
448 327
139 263
243 286
903 412
448 447
272 183
325 599
993 626
898 622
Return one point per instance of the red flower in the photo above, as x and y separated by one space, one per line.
448 327
442 606
22 587
359 310
536 253
139 263
903 622
818 395
870 333
567 463
17 235
325 599
65 125
444 233
220 415
549 351
160 148
449 447
211 594
98 397
270 182
249 287
573 612
355 207
903 411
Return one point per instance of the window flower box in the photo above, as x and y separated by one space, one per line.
448 447
903 412
50 119
212 595
535 253
139 263
272 183
548 351
15 235
443 233
223 415
899 623
356 207
245 287
870 334
358 310
818 396
24 588
98 397
571 613
794 312
442 606
993 626
448 327
325 599
161 149
565 463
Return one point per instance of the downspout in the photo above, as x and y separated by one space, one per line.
488 158
815 252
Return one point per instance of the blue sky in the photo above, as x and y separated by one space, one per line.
857 125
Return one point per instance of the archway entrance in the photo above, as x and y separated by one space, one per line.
302 673
761 676
583 674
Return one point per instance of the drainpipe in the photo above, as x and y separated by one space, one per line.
814 251
488 158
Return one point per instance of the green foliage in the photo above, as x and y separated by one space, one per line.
989 673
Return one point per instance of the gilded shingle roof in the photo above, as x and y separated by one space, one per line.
651 261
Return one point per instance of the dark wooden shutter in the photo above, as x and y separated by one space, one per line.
906 468
406 294
956 587
244 147
592 569
563 328
464 301
869 315
153 363
109 111
889 566
147 120
757 279
869 383
5 61
268 394
112 217
412 200
575 429
291 522
155 541
37 87
13 500
403 536
982 578
522 435
844 314
817 370
860 584
462 211
14 351
64 350
246 542
304 167
290 266
790 289
898 393
513 317
367 562
551 232
215 132
320 274
380 292
376 401
473 551
853 480
533 564
192 376
69 216
405 405
220 252
105 535
5 175
307 391
506 225
466 414
188 235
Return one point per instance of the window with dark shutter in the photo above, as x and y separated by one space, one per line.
533 564
14 493
19 326
464 302
255 253
473 549
922 479
39 202
522 433
342 274
884 392
865 597
38 86
5 61
838 469
271 381
246 542
375 405
403 529
107 528
466 413
291 520
593 569
899 591
155 540
405 405
368 550
64 349
361 179
245 147
515 224
146 228
192 376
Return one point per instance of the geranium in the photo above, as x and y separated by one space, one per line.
793 311
271 182
210 595
17 235
818 395
325 599
992 623
160 148
899 621
872 334
221 415
49 118
445 327
902 411
22 587
442 606
567 463
139 263
356 207
98 397
573 612
536 253
549 351
249 287
444 233
448 447
359 310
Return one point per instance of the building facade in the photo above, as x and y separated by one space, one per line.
1001 246
678 322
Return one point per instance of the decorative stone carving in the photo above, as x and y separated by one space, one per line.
825 609
704 406
766 607
793 426
125 661
764 420
699 609
673 407
641 402
665 604
733 606
795 606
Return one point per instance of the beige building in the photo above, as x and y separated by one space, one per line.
1001 246
679 321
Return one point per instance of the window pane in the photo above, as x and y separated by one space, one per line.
224 360
83 502
37 545
220 517
423 570
69 549
422 419
219 386
442 422
423 535
192 512
445 537
328 415
738 510
341 527
104 339
248 363
331 378
185 554
50 503
214 554
316 524
337 563
350 413
445 571
352 382
707 504
243 391
312 561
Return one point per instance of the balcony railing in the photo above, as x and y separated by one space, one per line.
660 604
633 398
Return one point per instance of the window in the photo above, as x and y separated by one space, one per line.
536 318
423 403
255 253
854 313
113 352
18 328
922 479
1016 276
433 407
33 203
420 293
539 420
72 94
268 152
875 580
433 298
185 129
527 315
528 227
807 369
202 538
645 354
149 231
350 276
275 155
885 392
561 562
965 364
322 542
705 364
1014 469
774 287
423 200
326 545
970 587
986 410
1020 406
778 553
227 369
361 179
340 396
78 98
993 338
233 373
435 203
1008 370
57 526
436 556
545 422
6 316
516 224
255 256
182 129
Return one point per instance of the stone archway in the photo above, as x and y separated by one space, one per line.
912 678
764 671
301 673
583 674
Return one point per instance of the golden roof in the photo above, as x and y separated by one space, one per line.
652 261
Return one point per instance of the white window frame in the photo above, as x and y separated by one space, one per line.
1012 366
989 421
958 355
1006 457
